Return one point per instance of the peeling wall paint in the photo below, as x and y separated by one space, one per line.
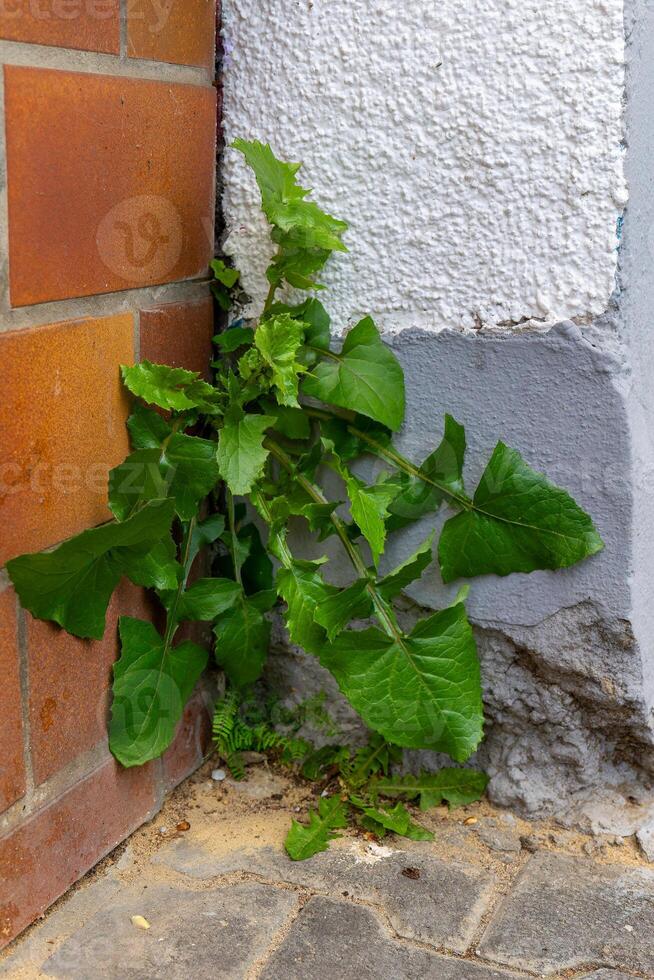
476 150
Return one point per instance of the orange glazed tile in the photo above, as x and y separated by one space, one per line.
62 427
12 764
70 684
110 182
179 334
87 25
182 31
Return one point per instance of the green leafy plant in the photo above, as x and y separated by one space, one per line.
288 405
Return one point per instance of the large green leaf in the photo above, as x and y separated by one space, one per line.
303 842
338 610
442 478
418 691
241 453
302 588
278 340
152 684
72 585
242 637
207 599
147 428
408 572
170 388
185 469
190 467
365 377
518 522
458 786
232 339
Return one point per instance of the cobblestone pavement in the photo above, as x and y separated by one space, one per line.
491 898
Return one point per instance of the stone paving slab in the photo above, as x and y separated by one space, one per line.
343 941
565 912
207 934
607 975
442 905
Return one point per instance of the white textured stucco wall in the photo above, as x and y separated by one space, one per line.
475 149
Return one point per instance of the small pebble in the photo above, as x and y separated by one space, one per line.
469 821
530 843
629 928
183 826
218 775
163 830
140 922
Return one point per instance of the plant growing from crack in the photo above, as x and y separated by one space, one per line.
286 407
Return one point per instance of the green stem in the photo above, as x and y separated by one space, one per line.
270 298
171 618
231 516
382 610
391 455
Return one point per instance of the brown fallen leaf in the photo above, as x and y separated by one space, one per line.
413 873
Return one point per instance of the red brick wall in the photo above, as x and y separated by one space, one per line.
108 231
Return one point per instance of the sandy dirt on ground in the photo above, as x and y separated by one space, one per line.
257 813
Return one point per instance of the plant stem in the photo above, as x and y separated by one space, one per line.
171 617
382 610
231 516
270 298
391 455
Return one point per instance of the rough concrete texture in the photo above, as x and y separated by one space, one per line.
326 941
474 149
444 907
216 933
564 913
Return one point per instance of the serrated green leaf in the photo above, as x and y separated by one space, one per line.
204 534
397 819
232 339
242 637
278 340
190 467
72 585
338 610
147 428
185 469
519 522
305 235
398 580
316 323
170 388
207 599
419 691
459 787
159 569
152 684
303 842
369 508
224 274
337 434
302 588
443 468
375 757
365 377
241 454
290 422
